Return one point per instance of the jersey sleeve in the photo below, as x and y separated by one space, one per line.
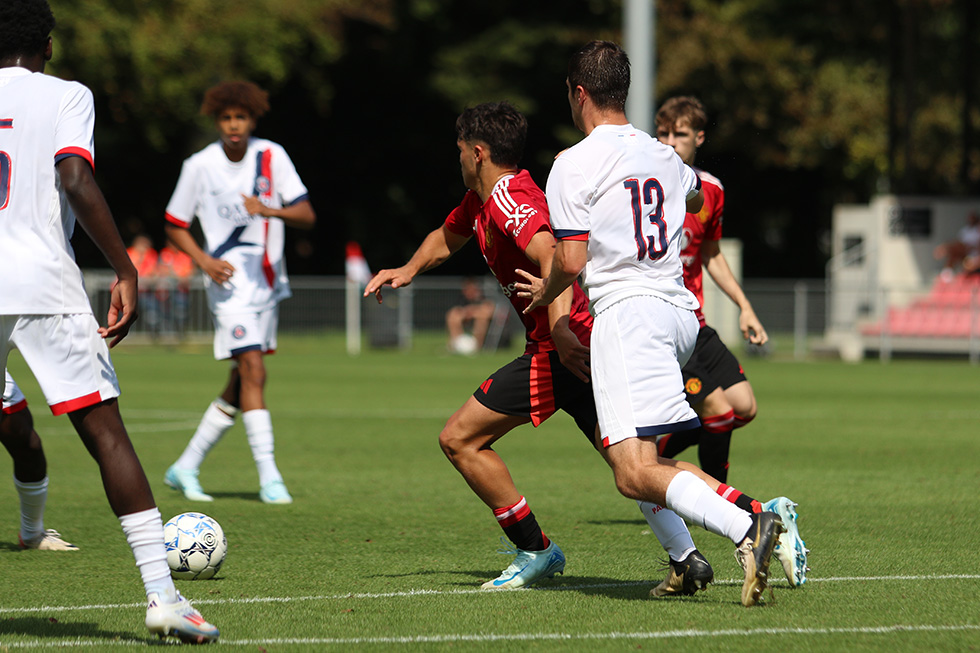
288 183
568 200
460 220
690 181
75 129
183 203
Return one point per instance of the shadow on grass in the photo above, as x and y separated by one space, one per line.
49 627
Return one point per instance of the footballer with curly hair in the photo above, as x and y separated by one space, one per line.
244 190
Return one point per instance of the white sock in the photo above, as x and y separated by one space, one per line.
32 499
218 418
669 528
144 532
693 500
258 428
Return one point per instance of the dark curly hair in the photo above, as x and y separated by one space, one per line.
498 124
246 95
24 26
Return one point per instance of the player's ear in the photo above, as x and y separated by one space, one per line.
49 49
699 139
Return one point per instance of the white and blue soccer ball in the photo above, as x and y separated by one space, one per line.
196 546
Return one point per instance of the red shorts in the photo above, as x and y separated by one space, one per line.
536 386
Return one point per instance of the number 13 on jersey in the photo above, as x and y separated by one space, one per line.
648 246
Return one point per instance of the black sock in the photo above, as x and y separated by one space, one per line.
673 443
521 527
713 454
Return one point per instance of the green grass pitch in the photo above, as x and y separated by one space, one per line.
385 546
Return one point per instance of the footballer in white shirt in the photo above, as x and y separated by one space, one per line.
46 183
617 201
244 191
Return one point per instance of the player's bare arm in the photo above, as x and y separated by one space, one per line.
220 271
438 246
299 215
93 214
572 353
717 266
569 261
695 202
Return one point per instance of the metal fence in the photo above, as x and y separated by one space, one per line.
799 314
793 311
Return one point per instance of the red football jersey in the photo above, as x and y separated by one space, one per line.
503 227
699 227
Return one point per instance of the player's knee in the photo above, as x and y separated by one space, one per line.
17 430
628 482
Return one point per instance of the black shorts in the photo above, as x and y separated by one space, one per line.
537 385
711 366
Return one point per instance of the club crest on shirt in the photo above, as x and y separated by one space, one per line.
263 184
693 386
238 332
488 236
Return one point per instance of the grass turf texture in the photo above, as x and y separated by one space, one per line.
385 546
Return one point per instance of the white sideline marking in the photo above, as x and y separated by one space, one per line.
409 593
523 637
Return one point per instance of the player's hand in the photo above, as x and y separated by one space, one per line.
533 290
254 206
572 353
751 327
219 271
123 311
394 278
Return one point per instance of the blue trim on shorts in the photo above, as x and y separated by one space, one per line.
661 429
242 350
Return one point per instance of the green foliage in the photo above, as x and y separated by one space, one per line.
153 60
385 545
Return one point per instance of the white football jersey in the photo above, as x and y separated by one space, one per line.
210 188
626 193
43 119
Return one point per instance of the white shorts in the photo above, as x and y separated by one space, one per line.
13 398
638 347
68 357
239 333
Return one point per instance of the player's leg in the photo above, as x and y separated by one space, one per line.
30 474
72 365
217 420
502 403
742 400
104 435
714 445
258 427
638 346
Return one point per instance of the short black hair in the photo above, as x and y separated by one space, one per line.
602 68
245 95
498 124
25 26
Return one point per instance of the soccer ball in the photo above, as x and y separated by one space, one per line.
464 344
196 546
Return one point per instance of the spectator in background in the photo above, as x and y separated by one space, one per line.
963 252
144 259
174 272
474 311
